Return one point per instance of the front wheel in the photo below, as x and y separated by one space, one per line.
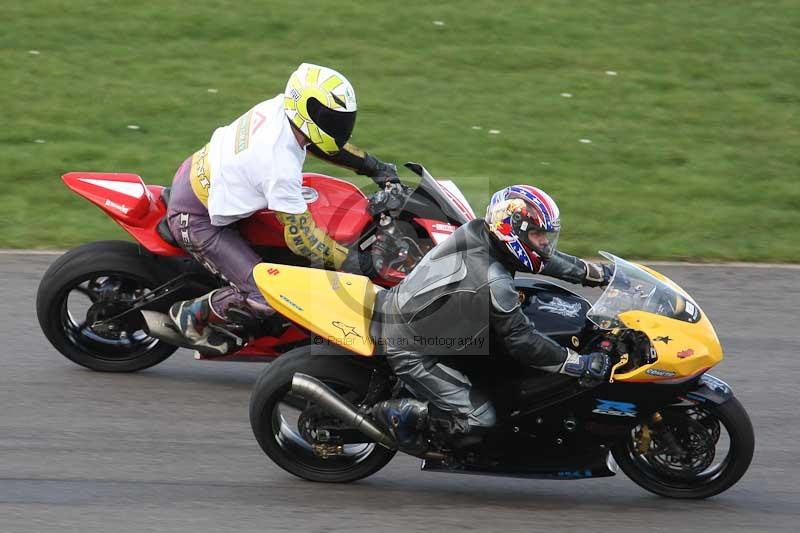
286 424
92 283
716 443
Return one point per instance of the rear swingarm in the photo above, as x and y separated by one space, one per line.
157 294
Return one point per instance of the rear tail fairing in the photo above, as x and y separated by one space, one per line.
336 307
129 202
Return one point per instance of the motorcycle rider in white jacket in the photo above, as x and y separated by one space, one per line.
256 163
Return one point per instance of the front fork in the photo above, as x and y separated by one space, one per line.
656 426
709 389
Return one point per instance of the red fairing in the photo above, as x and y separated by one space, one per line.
437 230
129 202
339 209
264 348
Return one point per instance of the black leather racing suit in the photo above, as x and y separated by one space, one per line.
461 293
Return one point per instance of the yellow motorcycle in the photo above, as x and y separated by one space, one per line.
670 426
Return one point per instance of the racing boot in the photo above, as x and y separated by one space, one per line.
406 420
453 430
461 431
203 328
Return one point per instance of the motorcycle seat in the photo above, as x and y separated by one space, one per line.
162 228
165 192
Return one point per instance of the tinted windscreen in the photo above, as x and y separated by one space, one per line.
634 289
435 193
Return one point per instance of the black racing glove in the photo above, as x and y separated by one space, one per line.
387 173
590 369
380 172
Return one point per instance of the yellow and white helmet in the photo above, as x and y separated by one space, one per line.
321 103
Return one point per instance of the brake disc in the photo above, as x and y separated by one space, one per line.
697 445
709 421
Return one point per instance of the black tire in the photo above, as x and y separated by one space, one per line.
732 415
119 260
335 367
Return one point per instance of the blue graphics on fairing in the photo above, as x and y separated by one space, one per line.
696 397
575 474
711 389
608 407
715 384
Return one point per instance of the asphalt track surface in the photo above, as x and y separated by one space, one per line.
170 448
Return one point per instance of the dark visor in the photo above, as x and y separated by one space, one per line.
337 124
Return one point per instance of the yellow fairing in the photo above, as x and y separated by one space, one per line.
684 349
336 306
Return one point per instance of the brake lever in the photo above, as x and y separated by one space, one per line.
623 360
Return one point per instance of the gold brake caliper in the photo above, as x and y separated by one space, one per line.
645 435
324 451
644 440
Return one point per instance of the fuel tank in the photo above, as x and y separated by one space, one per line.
555 311
339 208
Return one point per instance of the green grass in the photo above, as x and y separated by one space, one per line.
695 142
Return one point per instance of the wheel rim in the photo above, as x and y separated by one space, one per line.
705 436
93 299
285 415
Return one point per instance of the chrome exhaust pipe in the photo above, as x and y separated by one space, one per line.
160 326
316 391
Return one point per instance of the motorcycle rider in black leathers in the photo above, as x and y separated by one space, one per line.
459 295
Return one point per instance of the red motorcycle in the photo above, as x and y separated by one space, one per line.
90 301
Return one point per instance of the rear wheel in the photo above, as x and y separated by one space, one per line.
717 443
284 423
92 283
